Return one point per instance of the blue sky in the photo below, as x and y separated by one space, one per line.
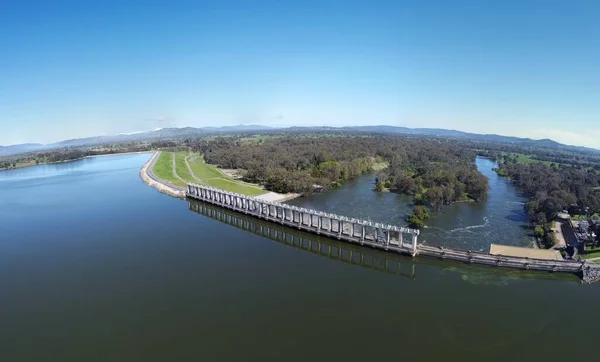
83 68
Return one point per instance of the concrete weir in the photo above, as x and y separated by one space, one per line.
387 237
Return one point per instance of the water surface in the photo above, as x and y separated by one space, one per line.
96 266
499 219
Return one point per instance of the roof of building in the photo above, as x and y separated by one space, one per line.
518 251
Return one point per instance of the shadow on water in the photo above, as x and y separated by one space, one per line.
365 257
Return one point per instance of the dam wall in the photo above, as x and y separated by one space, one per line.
377 235
362 232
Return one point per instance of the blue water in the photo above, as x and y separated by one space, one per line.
97 266
499 219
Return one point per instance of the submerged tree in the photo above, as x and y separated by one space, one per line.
419 215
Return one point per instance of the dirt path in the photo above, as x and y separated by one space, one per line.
190 170
225 176
175 171
560 238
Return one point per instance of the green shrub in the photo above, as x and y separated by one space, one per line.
539 231
415 222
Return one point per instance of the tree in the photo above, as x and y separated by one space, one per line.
405 184
415 222
419 215
435 197
539 231
421 212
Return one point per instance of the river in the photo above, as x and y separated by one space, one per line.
499 219
96 266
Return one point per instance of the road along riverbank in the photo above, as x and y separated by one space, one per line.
153 181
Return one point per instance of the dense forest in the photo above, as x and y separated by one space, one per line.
437 175
437 172
552 189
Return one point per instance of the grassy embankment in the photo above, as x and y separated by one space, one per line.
211 176
591 253
181 167
204 174
163 169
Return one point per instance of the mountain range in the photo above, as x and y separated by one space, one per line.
171 133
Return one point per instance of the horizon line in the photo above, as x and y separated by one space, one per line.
123 134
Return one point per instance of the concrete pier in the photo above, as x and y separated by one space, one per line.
381 236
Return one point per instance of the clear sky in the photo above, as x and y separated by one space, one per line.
84 68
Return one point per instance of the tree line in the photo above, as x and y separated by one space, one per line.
438 172
552 189
506 153
71 153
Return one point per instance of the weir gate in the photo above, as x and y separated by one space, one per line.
387 237
381 236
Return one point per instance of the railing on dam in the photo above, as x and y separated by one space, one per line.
381 236
325 247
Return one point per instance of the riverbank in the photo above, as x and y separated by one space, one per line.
33 163
170 173
150 179
183 168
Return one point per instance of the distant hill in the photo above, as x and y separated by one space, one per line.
164 133
21 148
474 136
171 133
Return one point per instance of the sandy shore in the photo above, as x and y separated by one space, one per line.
275 197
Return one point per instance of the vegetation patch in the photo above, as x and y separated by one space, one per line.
553 189
441 171
419 215
591 254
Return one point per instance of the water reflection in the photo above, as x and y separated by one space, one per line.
328 248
